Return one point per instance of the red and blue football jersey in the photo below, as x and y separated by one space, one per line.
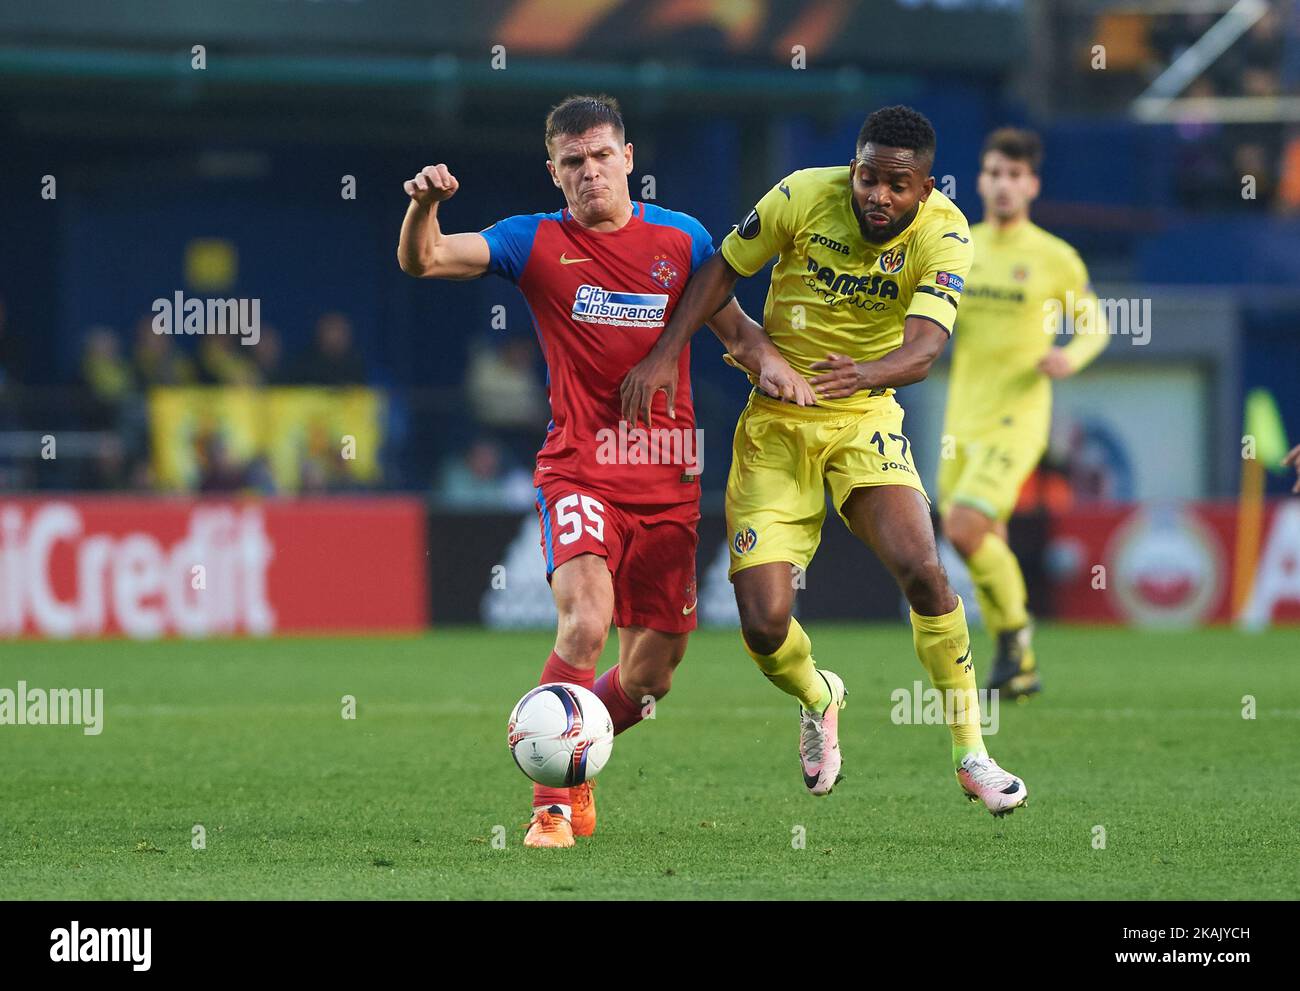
599 301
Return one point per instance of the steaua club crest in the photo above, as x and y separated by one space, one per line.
663 271
892 260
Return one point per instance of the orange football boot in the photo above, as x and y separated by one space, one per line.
548 829
583 802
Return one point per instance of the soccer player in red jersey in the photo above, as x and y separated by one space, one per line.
618 506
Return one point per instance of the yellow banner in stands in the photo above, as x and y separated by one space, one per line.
224 439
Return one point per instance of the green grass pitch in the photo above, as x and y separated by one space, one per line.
1141 734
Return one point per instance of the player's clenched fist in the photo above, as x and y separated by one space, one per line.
432 184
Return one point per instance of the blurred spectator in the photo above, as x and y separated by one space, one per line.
220 472
104 369
506 394
115 408
223 360
321 465
503 387
333 360
480 479
157 360
266 355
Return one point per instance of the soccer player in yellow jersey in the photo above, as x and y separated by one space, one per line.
872 262
1000 393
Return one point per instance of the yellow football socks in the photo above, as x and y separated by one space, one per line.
999 585
792 670
943 646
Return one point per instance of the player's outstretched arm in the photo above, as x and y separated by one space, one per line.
747 342
423 250
710 287
923 342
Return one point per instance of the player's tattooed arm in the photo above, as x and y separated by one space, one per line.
747 342
423 250
709 288
841 376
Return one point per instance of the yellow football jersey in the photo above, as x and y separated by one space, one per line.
1023 278
833 291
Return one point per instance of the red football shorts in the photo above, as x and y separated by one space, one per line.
649 550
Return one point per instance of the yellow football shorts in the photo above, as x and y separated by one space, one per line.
786 458
987 471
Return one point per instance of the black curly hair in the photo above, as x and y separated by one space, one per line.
899 127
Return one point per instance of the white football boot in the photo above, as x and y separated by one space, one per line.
983 781
819 739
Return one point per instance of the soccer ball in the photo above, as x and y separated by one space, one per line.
560 735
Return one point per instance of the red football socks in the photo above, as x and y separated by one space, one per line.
624 711
557 669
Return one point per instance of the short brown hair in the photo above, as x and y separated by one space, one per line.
579 114
1017 144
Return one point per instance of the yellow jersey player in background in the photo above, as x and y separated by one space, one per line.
872 261
1000 394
